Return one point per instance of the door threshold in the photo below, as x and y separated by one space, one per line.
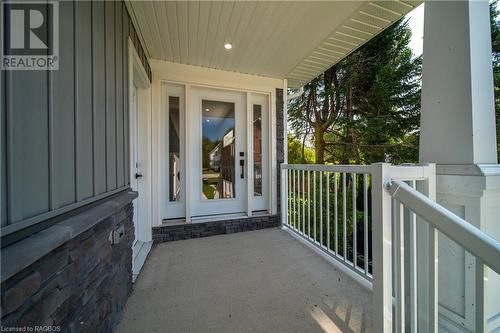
212 218
222 217
173 222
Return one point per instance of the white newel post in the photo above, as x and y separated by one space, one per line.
458 134
382 249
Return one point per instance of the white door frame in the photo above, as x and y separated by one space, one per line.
259 203
139 78
188 76
252 97
172 209
199 205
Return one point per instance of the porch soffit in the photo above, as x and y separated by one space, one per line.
293 40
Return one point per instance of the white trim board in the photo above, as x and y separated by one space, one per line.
137 77
202 76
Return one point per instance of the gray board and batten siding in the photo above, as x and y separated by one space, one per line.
65 133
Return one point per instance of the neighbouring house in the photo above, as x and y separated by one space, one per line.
214 157
167 120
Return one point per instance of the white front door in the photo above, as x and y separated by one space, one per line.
140 175
217 148
135 170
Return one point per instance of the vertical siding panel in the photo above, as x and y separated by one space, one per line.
27 144
63 137
110 96
120 180
125 96
83 83
27 151
99 96
3 153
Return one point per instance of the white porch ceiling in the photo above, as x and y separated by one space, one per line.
296 40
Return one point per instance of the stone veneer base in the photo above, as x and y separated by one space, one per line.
169 233
76 281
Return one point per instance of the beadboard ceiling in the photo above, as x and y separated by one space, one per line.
296 40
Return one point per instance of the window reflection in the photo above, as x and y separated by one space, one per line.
174 148
218 150
257 150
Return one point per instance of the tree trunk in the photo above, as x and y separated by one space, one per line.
319 144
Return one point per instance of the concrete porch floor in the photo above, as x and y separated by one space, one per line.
257 281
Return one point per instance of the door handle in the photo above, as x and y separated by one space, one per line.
138 175
242 164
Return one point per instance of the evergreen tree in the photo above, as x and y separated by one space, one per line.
365 108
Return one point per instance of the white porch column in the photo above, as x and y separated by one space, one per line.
458 133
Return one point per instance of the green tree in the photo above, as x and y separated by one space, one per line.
365 108
298 153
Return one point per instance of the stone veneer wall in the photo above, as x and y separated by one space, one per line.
79 286
168 233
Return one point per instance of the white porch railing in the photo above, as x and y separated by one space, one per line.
329 206
319 203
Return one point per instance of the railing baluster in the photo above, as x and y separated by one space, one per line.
344 214
303 203
309 203
284 197
298 201
314 206
433 279
413 269
354 222
399 282
293 198
365 221
321 208
327 210
336 211
480 300
289 197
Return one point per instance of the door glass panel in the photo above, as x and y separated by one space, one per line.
218 150
174 156
257 150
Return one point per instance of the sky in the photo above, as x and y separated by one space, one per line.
416 23
215 128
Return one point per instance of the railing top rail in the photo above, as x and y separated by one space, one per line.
470 237
330 167
402 172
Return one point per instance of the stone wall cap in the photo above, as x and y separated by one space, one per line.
23 253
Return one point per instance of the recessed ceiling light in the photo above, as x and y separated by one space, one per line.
207 109
228 46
